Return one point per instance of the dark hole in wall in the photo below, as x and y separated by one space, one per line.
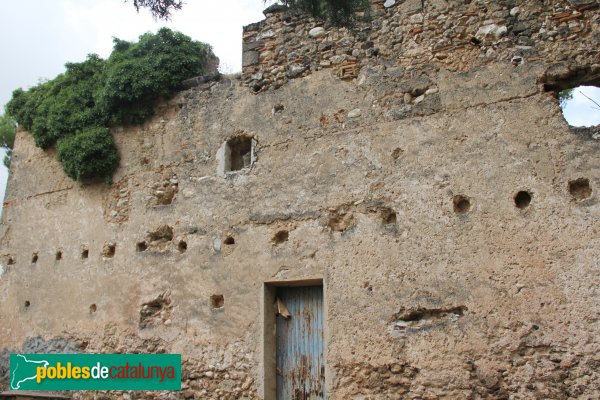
109 250
217 301
153 310
11 260
141 246
93 308
388 216
278 108
281 236
166 194
27 303
152 307
229 240
580 188
257 87
182 246
461 204
416 92
423 313
59 255
34 258
397 153
163 233
85 253
523 199
240 149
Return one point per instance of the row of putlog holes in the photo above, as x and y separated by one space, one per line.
217 302
110 249
108 252
580 189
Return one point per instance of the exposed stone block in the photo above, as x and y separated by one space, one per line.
250 58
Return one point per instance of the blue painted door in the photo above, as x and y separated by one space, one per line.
300 362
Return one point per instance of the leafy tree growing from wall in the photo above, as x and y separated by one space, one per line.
63 105
137 73
8 131
75 109
87 154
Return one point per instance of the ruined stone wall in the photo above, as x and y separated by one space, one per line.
454 35
448 207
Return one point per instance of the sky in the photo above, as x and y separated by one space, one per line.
37 37
581 111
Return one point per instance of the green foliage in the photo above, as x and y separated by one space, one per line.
61 106
158 8
88 154
8 131
340 12
97 93
138 73
564 96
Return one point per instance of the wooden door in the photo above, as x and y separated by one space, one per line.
300 362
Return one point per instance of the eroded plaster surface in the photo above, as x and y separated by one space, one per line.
400 188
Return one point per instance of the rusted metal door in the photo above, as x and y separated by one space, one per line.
300 363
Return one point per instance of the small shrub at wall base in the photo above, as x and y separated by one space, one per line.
88 154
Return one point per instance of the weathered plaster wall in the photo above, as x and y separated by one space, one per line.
422 301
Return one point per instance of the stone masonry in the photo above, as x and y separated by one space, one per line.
418 163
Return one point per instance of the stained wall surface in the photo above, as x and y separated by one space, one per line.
397 186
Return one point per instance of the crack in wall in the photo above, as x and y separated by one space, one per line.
49 192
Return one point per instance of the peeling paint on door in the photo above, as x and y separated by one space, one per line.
300 362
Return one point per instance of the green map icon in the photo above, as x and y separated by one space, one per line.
23 369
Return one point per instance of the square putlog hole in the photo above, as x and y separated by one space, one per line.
580 189
217 301
109 250
141 246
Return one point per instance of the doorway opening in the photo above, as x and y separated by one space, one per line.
293 344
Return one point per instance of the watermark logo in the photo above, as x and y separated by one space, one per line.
95 372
